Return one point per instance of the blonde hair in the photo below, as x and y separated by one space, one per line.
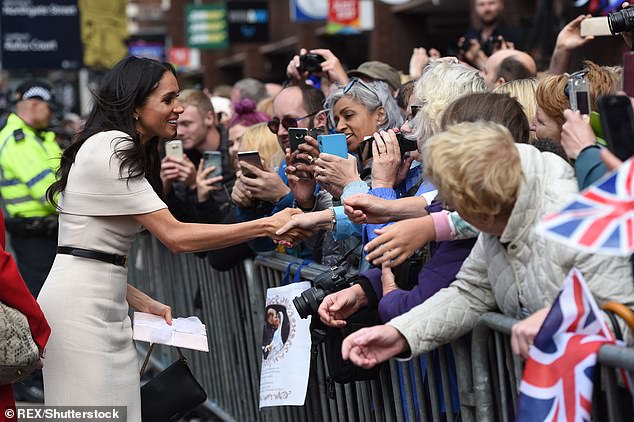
259 138
266 106
197 99
476 168
440 84
523 90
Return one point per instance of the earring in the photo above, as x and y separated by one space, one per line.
136 118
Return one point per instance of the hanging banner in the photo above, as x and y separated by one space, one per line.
308 10
103 32
206 26
184 58
248 21
285 349
40 34
343 16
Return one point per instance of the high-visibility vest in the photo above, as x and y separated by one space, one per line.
28 162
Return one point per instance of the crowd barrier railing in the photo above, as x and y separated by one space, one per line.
475 378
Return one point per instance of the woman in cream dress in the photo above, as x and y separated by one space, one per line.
108 184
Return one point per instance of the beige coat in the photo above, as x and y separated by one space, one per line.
520 272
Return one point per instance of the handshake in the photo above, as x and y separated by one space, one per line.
291 236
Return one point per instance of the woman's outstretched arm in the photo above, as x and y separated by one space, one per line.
190 237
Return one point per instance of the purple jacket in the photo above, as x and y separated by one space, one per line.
439 272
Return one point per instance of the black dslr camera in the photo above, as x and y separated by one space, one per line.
307 303
405 144
310 63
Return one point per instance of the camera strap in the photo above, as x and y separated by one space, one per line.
298 273
347 254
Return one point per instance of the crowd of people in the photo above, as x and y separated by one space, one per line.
449 167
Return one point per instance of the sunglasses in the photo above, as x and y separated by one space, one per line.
415 109
353 81
286 122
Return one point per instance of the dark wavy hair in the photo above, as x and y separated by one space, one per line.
125 87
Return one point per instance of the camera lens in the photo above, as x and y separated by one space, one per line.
307 303
621 21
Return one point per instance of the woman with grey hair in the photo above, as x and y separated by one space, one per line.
358 110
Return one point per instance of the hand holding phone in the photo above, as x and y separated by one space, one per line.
617 120
174 149
213 159
334 144
296 137
252 158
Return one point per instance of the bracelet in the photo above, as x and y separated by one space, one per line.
333 219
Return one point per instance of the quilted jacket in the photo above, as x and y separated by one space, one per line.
519 272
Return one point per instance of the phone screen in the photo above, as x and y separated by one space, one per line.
617 120
583 102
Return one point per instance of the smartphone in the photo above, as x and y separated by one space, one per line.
617 121
296 137
174 149
334 144
213 159
251 157
628 73
579 94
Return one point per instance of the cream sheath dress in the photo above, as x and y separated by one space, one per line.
90 358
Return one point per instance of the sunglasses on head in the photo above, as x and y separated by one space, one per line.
353 81
287 122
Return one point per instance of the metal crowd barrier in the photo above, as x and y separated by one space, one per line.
486 374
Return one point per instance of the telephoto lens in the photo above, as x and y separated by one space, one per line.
621 21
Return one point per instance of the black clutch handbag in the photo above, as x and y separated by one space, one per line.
172 394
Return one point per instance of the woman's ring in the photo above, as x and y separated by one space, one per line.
310 159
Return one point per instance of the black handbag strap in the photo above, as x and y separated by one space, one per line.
149 352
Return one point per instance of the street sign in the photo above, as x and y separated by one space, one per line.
248 21
206 26
40 34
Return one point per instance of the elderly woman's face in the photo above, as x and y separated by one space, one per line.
545 127
355 121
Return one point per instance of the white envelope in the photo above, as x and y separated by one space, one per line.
188 333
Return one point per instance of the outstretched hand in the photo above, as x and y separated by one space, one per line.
370 346
310 221
364 208
399 241
336 307
291 236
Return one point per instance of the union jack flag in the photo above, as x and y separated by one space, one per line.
557 381
600 219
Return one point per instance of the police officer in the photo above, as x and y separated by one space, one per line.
29 157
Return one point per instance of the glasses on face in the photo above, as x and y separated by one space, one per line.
415 109
286 122
353 81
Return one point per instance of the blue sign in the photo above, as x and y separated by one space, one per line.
309 10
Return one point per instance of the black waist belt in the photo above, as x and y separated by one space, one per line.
110 258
